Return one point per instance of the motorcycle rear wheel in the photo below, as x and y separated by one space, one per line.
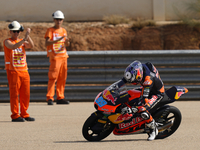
90 134
164 116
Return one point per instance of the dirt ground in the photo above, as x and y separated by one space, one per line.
86 36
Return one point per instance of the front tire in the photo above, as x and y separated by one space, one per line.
164 116
90 134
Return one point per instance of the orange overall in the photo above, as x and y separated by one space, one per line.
57 54
18 79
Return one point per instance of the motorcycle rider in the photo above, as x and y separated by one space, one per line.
152 92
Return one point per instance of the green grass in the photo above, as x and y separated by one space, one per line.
191 17
139 24
116 19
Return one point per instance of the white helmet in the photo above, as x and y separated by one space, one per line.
15 26
58 15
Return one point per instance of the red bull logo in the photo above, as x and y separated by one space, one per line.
138 76
132 122
108 96
178 94
124 117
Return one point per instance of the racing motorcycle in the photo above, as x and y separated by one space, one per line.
108 117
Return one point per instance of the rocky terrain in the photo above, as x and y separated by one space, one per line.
89 36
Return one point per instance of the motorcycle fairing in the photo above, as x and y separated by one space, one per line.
103 105
134 94
180 91
175 92
106 102
113 99
134 125
114 118
116 93
109 97
118 118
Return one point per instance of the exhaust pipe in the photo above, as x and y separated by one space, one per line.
164 127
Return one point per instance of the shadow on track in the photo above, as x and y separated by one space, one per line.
129 140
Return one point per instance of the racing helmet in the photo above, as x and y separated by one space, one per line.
134 72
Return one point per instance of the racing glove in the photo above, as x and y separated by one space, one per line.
126 110
134 109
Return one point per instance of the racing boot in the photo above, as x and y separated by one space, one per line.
153 130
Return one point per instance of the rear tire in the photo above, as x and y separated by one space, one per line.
166 115
91 135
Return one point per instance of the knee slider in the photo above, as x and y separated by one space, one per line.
145 115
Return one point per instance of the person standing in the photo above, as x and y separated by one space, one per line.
17 71
56 42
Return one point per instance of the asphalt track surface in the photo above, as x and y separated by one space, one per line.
59 127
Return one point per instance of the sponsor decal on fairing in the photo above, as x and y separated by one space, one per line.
132 122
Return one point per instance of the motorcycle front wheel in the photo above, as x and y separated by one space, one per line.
172 116
94 131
